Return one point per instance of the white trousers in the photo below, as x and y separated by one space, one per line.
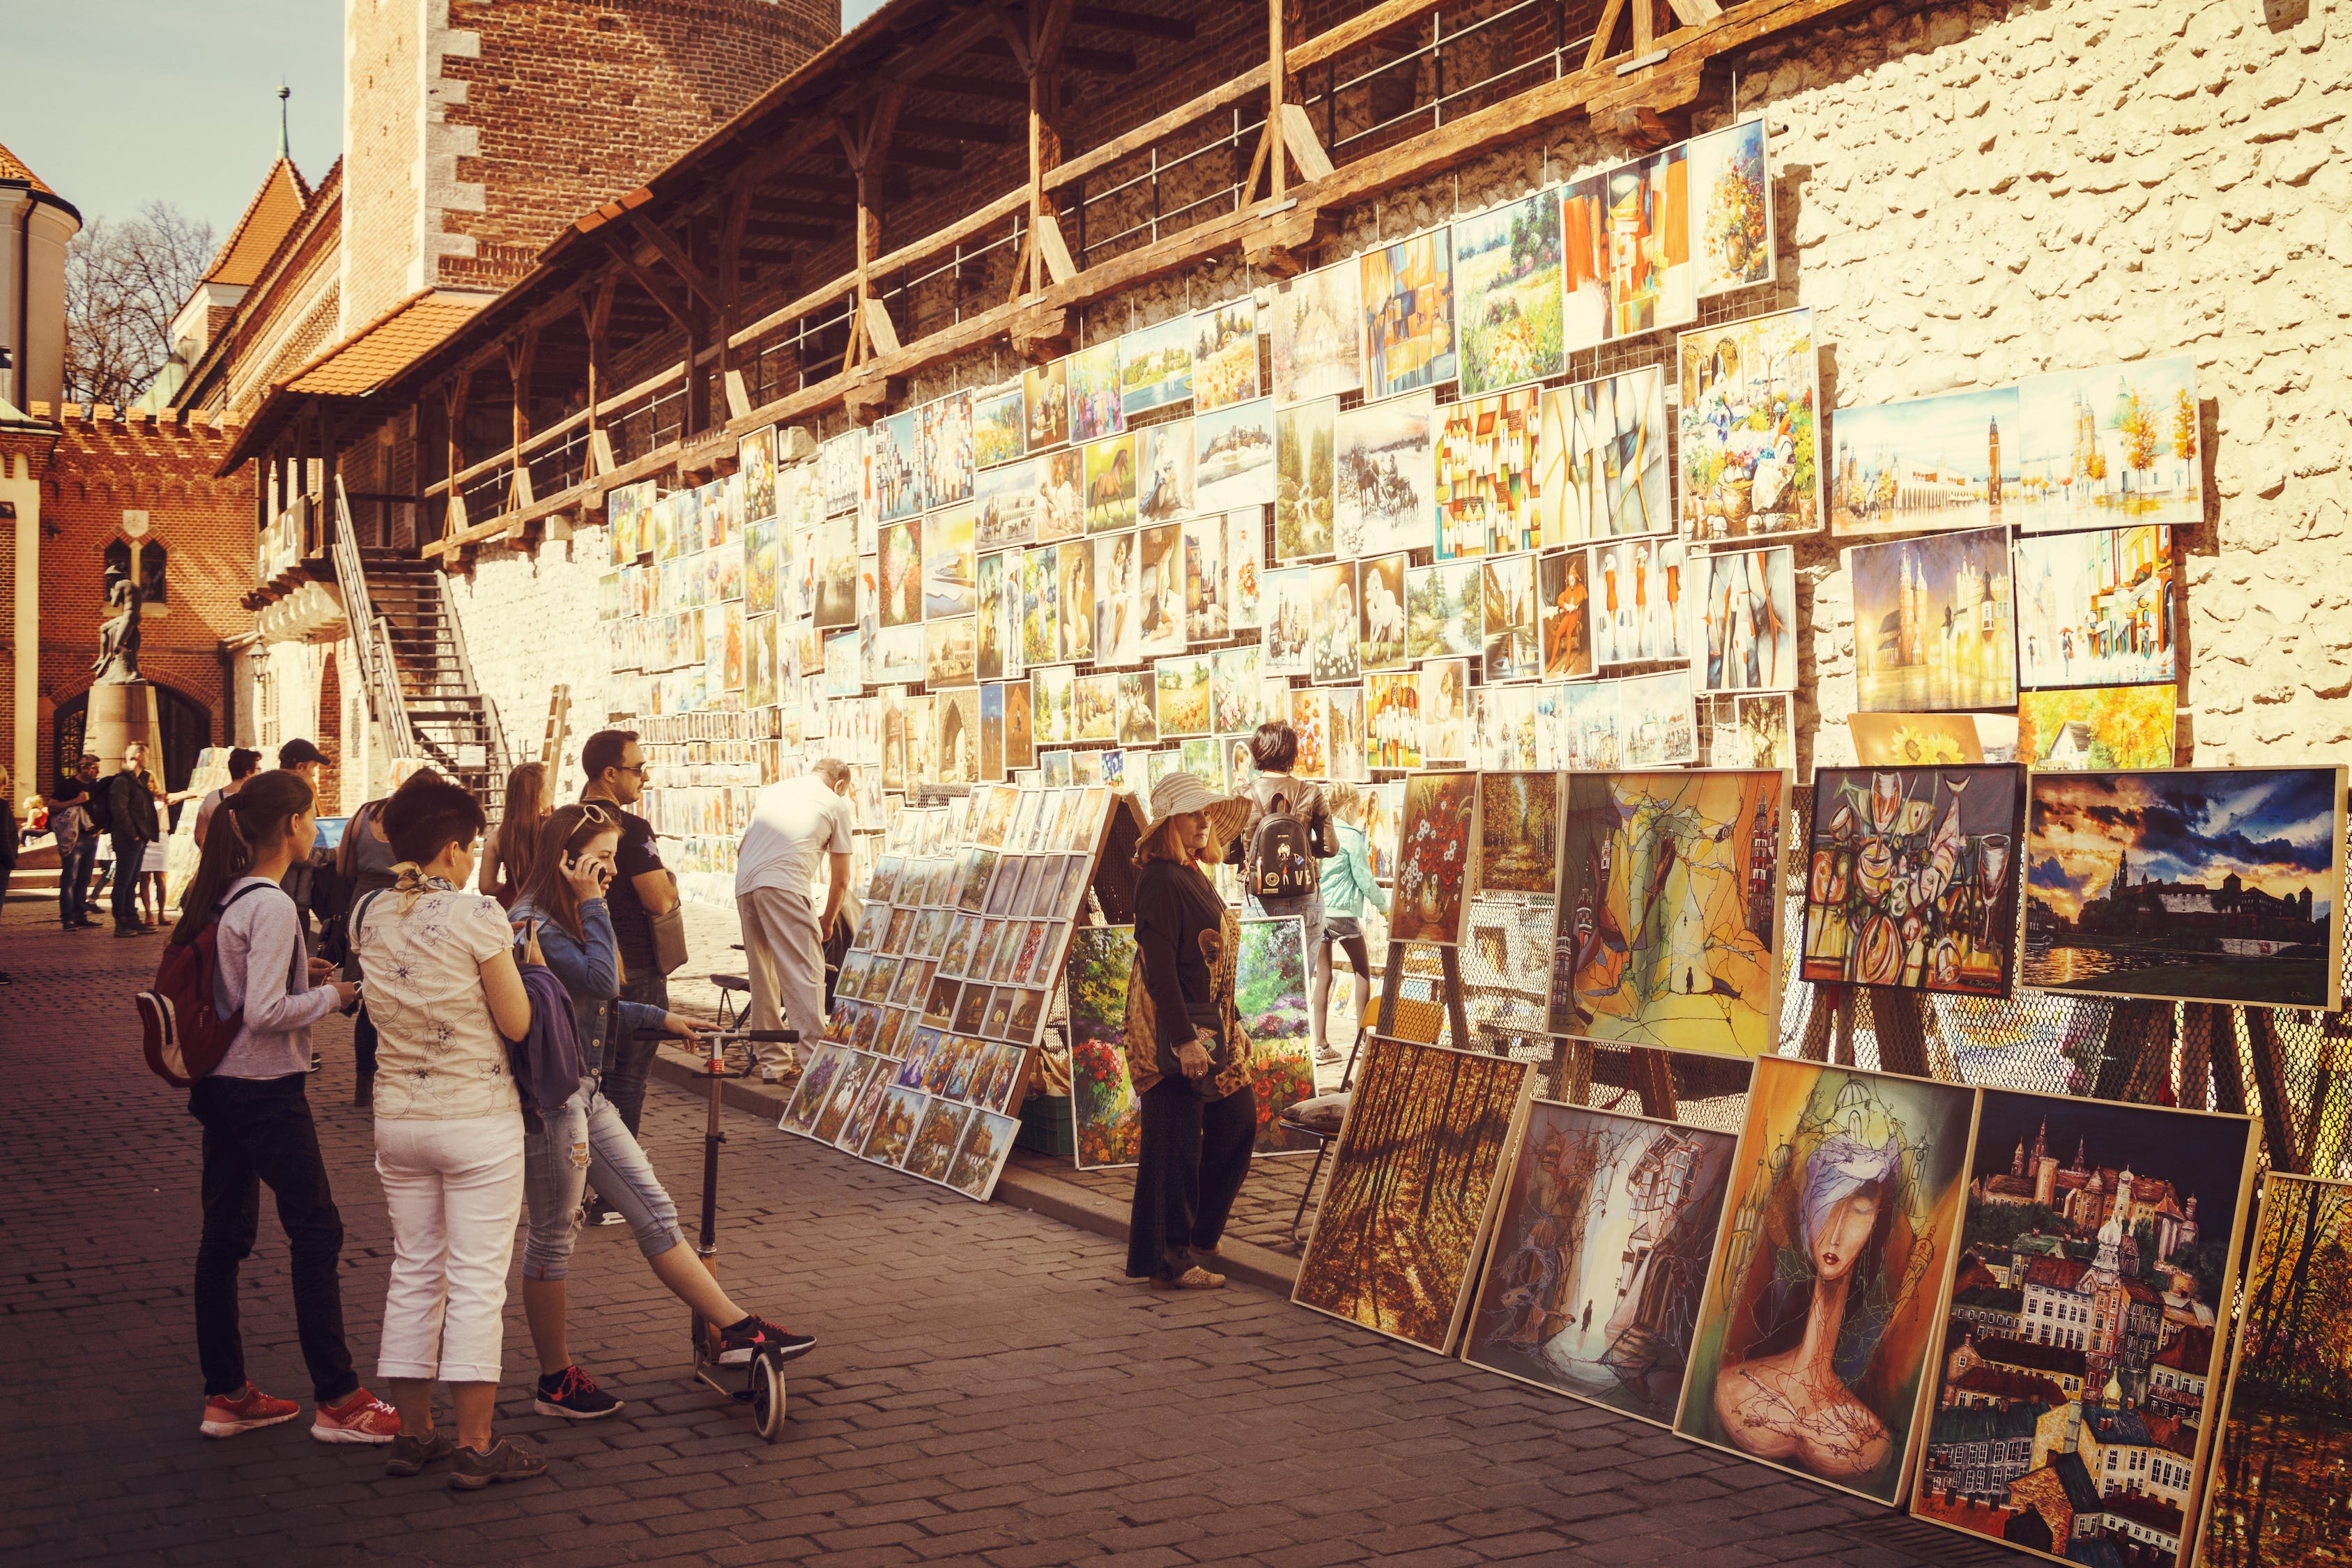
785 949
454 1191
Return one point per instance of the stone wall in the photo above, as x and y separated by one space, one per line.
530 621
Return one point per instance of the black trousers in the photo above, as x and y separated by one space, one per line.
628 1060
1195 1156
257 1130
130 853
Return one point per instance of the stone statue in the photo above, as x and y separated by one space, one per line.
117 639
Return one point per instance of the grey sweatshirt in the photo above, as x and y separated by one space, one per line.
259 941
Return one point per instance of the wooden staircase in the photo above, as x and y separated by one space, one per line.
446 716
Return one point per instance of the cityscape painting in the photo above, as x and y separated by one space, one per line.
1929 464
2096 608
1934 623
2112 444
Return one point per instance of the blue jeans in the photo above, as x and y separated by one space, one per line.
1308 909
130 853
585 1139
73 878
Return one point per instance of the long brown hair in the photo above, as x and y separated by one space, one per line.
526 809
567 831
257 813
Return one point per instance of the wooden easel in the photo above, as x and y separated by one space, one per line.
558 728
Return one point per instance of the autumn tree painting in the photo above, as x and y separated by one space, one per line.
1102 1100
1399 1228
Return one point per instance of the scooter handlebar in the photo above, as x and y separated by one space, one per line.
774 1036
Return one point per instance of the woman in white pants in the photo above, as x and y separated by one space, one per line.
439 973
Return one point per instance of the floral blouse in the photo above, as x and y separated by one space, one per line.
439 1056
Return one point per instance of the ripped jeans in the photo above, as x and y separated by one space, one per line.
585 1141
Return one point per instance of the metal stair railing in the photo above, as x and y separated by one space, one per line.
371 636
495 746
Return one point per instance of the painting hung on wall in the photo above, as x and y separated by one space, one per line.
2098 728
1670 909
1584 261
1408 314
1508 585
1507 281
1935 623
1601 470
2203 884
901 566
1750 462
1382 498
1931 463
1155 366
948 568
1411 1190
943 443
1305 491
1270 1000
2151 1200
1445 610
1486 475
1433 845
2278 1459
1096 410
1768 734
1164 464
998 427
1519 834
1650 281
1315 325
1111 484
1224 355
1159 593
755 464
1045 405
2096 608
893 465
1601 1245
1817 1327
2112 445
1564 600
1912 878
1444 710
1233 457
1382 620
1062 494
1288 611
1245 554
1102 1098
1638 603
1731 209
1748 622
1392 721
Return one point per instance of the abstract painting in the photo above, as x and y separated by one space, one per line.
1433 855
1670 909
1638 610
1486 475
1383 497
2122 1256
1411 1190
1602 469
1731 209
1935 623
1602 1246
1316 328
1233 457
1508 300
2116 444
2098 728
1305 494
2196 884
1649 244
1408 315
1224 355
1584 261
1817 1329
2096 608
1750 620
1270 999
1751 463
1155 366
1912 877
2277 1495
1930 463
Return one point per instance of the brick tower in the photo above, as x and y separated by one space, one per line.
474 129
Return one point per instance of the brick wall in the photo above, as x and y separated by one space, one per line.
383 130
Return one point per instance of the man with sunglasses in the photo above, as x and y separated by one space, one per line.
642 889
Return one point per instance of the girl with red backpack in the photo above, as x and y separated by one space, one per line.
257 1117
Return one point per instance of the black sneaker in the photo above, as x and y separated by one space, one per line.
573 1395
739 1344
595 1212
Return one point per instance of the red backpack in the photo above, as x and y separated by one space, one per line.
186 1036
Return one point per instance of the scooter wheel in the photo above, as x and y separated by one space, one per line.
768 1397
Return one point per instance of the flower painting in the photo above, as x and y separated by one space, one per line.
1750 462
1507 282
1731 209
1433 845
1224 355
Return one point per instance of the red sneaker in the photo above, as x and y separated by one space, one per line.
225 1415
358 1417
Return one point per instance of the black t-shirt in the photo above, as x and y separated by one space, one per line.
633 928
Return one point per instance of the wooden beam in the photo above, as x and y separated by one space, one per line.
1055 251
1111 20
693 277
1695 13
923 158
1358 30
1277 82
1152 130
878 327
1106 62
661 296
1299 135
974 87
979 130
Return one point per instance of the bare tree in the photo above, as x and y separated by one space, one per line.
125 282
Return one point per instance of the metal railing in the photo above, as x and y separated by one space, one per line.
370 638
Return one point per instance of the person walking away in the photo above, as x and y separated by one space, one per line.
128 802
242 763
256 1122
1348 885
77 842
799 827
364 863
1289 830
1186 1053
507 853
441 979
643 892
581 1138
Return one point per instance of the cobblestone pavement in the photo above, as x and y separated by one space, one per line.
989 1389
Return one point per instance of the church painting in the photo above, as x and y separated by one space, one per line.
1935 623
2096 608
1935 463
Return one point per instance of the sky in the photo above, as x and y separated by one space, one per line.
2275 827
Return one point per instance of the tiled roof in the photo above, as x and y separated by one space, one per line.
2003 1383
386 346
2193 1352
2056 1273
12 167
269 217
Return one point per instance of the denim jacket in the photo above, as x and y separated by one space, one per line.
590 971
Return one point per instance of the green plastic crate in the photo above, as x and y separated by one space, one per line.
1046 1128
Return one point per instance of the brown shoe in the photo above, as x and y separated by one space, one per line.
1194 1279
507 1461
410 1455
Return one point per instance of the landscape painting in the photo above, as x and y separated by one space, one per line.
1670 909
1751 463
1433 855
1408 314
2116 444
1506 284
1731 209
1818 1326
1601 468
1383 500
1601 1247
1270 1000
2203 884
2107 1233
1935 623
1316 329
1305 493
2098 728
2096 608
1519 834
1411 1190
998 434
1912 878
2286 1435
1233 457
1932 463
1486 475
1155 366
1445 610
1224 356
1102 1098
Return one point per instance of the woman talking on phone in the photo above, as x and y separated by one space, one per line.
568 928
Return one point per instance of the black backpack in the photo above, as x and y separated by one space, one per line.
1282 856
99 806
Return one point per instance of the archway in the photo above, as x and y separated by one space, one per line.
187 730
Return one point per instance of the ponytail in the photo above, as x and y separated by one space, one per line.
257 813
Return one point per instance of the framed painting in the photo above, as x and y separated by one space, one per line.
1383 497
1732 231
1102 1099
1751 459
2096 608
1924 465
2112 444
894 463
1408 315
1392 721
1314 328
1519 834
1564 609
1650 281
1433 845
1305 493
2098 728
1749 620
1224 355
1270 999
1640 607
1584 261
1486 465
948 566
1508 294
1935 623
1159 624
1510 649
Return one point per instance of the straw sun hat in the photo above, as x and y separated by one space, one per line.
1176 794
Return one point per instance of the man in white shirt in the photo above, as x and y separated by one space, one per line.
798 827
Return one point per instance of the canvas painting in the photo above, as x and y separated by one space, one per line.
755 465
901 565
839 473
1244 554
1233 457
1383 500
1928 464
1102 1099
1748 623
1935 623
1639 614
1379 594
1392 721
1155 366
1433 842
1564 606
1408 315
2112 445
2206 884
1163 455
1445 710
1183 695
1020 725
2279 1455
1511 649
999 428
992 731
1096 410
1750 461
1305 496
1411 1190
1075 597
1344 745
1912 878
1817 1327
1601 1245
2096 608
1486 475
1237 690
948 566
1916 740
944 439
1650 281
2097 729
1333 655
980 1158
1288 611
1270 999
1505 728
1315 331
1159 593
1224 355
1601 465
1052 701
1508 294
1045 405
1584 261
1767 732
955 720
2119 1258
997 591
1006 500
1446 611
1111 484
1519 834
1731 209
1310 717
1657 719
1205 580
893 465
1670 909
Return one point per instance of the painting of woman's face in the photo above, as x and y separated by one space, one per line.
1837 1244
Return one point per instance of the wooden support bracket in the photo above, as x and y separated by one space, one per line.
868 400
1041 333
1059 267
879 327
1284 245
